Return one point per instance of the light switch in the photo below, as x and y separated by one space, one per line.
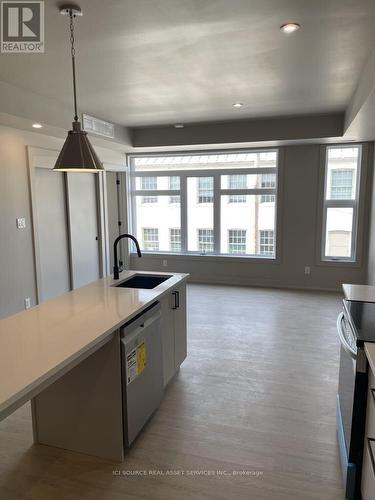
21 223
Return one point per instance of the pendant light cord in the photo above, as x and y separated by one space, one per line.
73 53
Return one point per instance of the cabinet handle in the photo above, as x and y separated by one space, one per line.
174 300
178 299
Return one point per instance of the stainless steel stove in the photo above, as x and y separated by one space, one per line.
355 326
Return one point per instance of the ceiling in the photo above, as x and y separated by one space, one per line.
157 62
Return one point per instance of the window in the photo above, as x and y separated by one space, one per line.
339 227
267 181
251 216
237 182
161 216
175 240
146 184
206 203
339 243
266 243
206 240
205 189
174 184
237 240
340 211
342 184
150 239
198 214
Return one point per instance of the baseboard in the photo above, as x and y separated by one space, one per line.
262 285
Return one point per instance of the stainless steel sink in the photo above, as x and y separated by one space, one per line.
146 281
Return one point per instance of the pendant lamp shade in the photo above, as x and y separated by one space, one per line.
77 154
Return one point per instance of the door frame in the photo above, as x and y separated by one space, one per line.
46 158
121 171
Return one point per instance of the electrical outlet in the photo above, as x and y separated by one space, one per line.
307 269
165 263
27 303
21 223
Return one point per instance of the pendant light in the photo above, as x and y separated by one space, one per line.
77 154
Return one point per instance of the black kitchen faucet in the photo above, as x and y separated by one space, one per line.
116 270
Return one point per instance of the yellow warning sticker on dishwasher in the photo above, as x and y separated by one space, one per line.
131 366
141 358
135 362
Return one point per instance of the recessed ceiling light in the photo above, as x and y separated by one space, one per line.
290 27
237 105
37 125
179 125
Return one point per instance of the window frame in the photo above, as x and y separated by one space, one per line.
207 230
170 229
362 218
236 198
217 193
345 203
232 230
266 198
202 191
341 170
149 200
155 240
172 199
268 236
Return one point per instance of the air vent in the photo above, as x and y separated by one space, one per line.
98 127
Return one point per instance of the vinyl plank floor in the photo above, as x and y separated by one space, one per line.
251 414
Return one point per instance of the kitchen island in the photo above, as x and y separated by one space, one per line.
64 355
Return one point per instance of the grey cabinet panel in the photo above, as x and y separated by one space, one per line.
173 329
83 221
51 234
167 331
82 410
180 336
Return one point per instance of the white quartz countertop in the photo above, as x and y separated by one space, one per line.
360 293
38 343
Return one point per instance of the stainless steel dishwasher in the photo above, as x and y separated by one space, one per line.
142 370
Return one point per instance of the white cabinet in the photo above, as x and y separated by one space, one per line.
167 336
179 316
173 328
368 470
368 477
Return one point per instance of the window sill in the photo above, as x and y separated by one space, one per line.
339 263
210 257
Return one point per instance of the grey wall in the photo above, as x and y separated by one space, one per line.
16 246
298 243
242 131
17 270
